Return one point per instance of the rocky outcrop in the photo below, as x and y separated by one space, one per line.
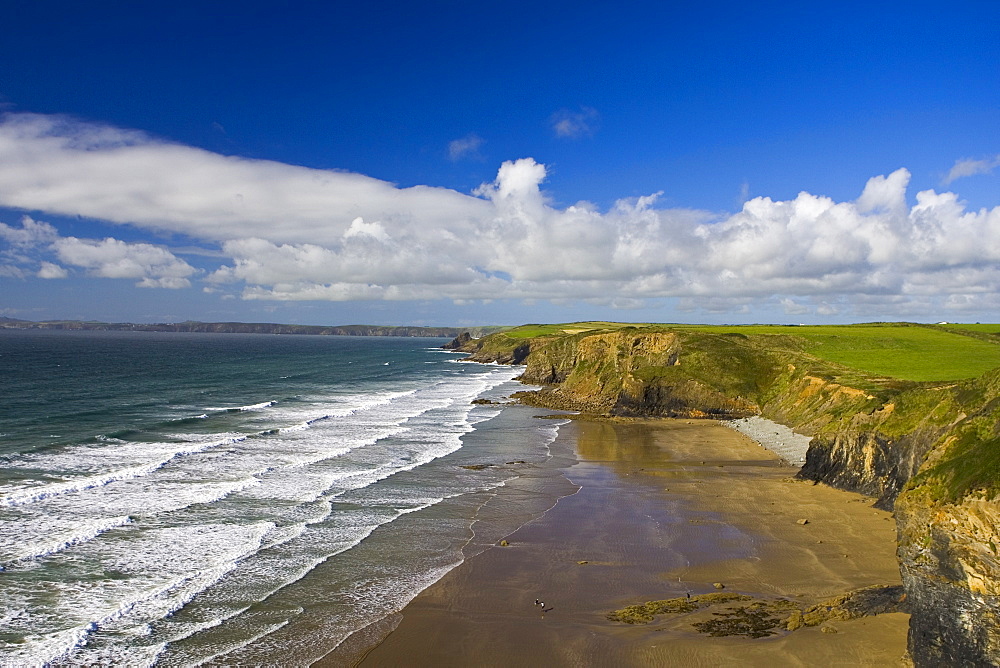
931 452
951 573
864 462
458 342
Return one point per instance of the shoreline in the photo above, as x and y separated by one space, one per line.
537 489
665 508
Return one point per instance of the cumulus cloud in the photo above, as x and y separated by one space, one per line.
970 167
31 233
155 267
50 270
290 233
108 258
467 146
569 124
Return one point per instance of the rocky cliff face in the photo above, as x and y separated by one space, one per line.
951 574
623 372
932 452
948 524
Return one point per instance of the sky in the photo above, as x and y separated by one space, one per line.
453 163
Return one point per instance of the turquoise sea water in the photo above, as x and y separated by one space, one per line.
181 499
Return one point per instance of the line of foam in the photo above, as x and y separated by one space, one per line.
304 569
39 493
149 604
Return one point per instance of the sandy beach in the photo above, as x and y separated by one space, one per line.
664 509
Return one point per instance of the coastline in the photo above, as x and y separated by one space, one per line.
665 508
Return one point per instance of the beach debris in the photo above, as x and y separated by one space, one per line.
751 621
537 602
718 585
645 612
803 521
760 617
828 629
504 543
582 562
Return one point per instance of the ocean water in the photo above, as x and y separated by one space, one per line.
188 499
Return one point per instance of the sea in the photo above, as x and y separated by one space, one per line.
181 499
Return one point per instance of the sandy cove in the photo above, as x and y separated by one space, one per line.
666 508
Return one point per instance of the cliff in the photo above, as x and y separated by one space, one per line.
930 450
675 373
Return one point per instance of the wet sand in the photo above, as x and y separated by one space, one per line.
665 508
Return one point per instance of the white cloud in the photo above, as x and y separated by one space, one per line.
970 167
359 228
467 146
50 270
65 167
575 124
155 267
885 193
32 233
292 233
109 258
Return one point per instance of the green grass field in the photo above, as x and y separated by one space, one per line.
904 351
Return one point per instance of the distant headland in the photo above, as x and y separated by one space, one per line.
249 328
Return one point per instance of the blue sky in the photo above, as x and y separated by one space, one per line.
456 162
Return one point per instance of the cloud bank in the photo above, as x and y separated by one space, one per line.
293 233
